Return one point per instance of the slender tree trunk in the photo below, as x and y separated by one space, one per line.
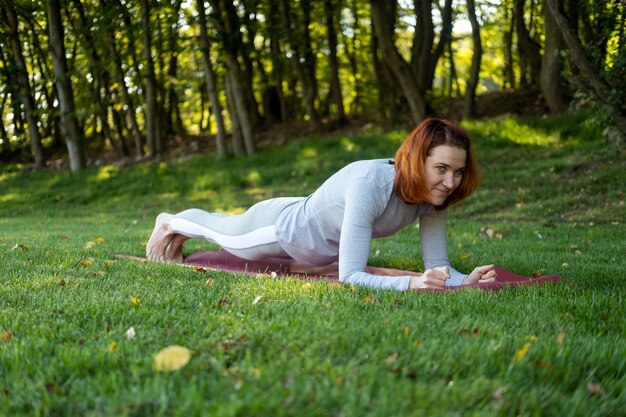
24 90
74 137
99 80
211 84
509 74
352 47
236 139
152 134
401 69
6 144
551 80
121 81
530 49
329 9
302 54
469 105
277 62
226 16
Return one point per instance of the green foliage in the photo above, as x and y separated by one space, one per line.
551 190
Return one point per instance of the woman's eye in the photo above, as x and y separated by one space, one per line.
459 173
441 169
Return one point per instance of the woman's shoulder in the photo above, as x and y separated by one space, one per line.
379 173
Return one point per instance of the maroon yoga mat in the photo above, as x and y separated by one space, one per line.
224 261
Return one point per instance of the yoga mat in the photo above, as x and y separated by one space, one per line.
224 261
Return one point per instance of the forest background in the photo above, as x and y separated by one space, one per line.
86 80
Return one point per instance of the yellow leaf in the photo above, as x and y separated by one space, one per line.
369 299
135 300
112 347
209 282
6 336
21 246
418 342
90 244
85 262
99 240
560 337
406 330
171 358
464 256
521 353
391 358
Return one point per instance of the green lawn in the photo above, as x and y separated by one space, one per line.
552 194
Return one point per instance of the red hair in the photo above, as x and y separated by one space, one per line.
409 183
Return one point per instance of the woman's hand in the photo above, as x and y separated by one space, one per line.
485 273
431 278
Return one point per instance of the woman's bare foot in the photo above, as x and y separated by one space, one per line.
164 245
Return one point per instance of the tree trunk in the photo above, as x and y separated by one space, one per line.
121 81
152 134
24 91
211 84
277 62
509 74
552 65
302 54
401 69
236 139
335 85
530 49
226 17
469 104
100 80
74 137
593 84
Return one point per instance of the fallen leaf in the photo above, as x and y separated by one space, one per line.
90 244
560 337
112 347
135 300
464 256
222 302
418 342
209 282
20 246
130 333
595 389
171 358
498 394
369 299
306 285
99 240
61 282
406 330
198 269
257 299
85 262
391 358
521 353
63 237
7 335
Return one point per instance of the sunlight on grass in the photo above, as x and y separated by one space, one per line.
107 172
347 144
8 197
253 178
513 130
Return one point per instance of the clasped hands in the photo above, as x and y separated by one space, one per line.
436 277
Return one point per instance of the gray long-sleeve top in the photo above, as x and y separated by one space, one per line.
356 204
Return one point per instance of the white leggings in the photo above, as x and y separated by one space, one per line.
250 235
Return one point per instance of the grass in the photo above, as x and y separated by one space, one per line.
551 189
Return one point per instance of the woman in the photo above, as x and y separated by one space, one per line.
433 169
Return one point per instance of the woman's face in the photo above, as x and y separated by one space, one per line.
444 168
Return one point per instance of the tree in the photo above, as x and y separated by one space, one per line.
153 137
529 48
74 137
335 85
9 18
225 16
383 19
472 83
551 80
591 80
211 82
